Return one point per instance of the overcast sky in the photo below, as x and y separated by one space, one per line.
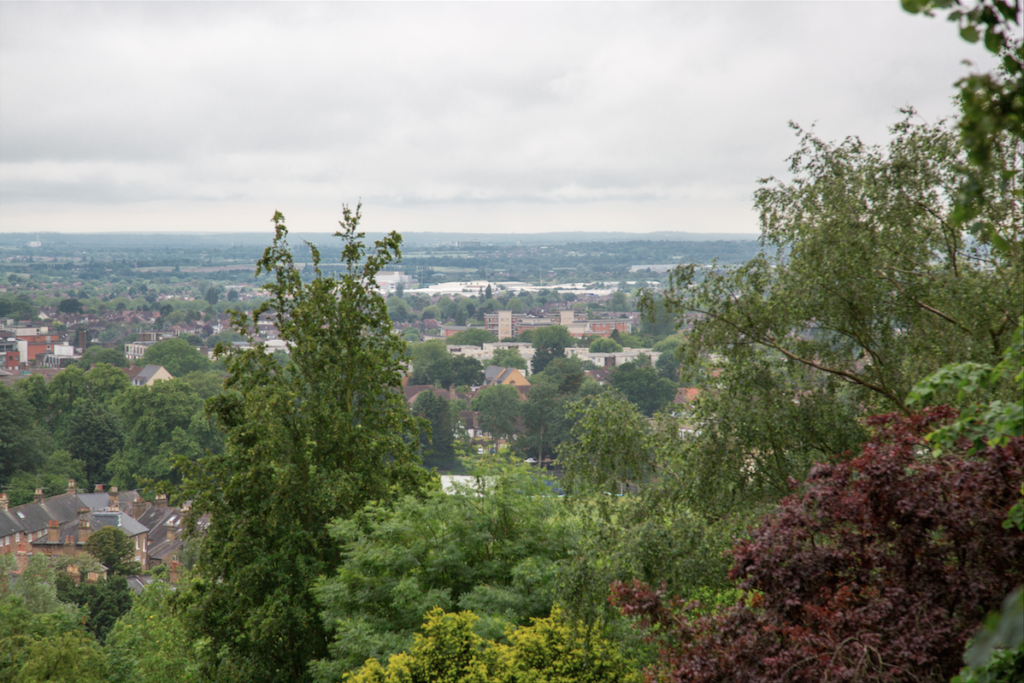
483 117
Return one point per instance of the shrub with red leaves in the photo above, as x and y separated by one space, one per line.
879 570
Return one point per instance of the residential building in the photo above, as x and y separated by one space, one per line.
135 350
31 341
505 324
148 376
10 356
494 375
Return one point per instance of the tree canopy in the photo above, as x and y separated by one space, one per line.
176 356
305 445
471 337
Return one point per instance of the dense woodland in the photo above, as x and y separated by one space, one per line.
844 500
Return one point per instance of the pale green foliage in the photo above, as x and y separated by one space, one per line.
869 282
149 644
652 527
992 423
37 588
71 657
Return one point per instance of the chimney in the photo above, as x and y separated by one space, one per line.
161 501
113 498
75 575
92 577
99 488
53 532
21 557
3 502
39 496
84 527
71 487
138 507
175 571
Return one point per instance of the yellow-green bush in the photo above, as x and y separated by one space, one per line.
548 651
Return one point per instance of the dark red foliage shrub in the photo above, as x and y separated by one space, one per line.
878 570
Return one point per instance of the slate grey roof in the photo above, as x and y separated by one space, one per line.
146 374
121 520
34 517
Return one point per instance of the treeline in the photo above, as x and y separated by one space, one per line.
91 425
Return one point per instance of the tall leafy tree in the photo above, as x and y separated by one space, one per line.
150 416
94 436
176 356
508 358
305 445
114 550
499 407
149 644
550 343
439 445
24 442
642 385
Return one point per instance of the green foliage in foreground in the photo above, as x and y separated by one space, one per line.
149 644
548 651
493 548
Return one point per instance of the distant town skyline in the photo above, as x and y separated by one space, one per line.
456 118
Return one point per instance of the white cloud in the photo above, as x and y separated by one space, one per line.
445 114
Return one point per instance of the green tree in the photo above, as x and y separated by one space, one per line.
991 125
604 345
439 444
550 343
24 442
508 358
212 296
304 446
619 302
69 306
881 298
97 354
149 644
93 436
492 546
544 419
472 337
643 387
71 657
205 384
104 601
488 293
150 416
499 407
114 550
176 356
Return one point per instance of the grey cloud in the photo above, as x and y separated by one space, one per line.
420 103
